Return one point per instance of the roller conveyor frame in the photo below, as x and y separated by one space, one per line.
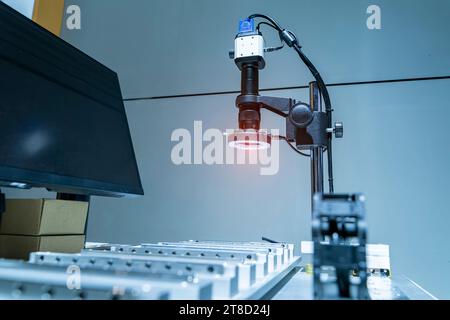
263 284
15 290
246 270
288 249
274 256
223 275
258 259
178 287
189 270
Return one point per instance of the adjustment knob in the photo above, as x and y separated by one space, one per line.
339 130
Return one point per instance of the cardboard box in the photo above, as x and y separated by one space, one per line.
20 247
43 217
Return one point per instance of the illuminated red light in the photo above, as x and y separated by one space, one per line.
249 139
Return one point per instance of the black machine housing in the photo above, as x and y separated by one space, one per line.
339 234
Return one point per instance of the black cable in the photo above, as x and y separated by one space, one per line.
269 49
322 87
330 165
273 27
263 16
292 147
269 240
272 49
265 23
298 151
327 101
289 38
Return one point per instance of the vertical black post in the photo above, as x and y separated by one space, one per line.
316 151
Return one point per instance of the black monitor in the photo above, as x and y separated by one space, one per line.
62 119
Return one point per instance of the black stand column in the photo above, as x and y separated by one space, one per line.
316 151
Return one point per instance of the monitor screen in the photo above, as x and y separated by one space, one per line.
62 119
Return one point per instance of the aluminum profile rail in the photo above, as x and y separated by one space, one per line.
251 265
222 275
177 287
288 249
276 253
22 290
261 258
258 267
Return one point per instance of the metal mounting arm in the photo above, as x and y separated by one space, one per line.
280 106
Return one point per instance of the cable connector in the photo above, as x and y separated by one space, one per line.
272 49
289 38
